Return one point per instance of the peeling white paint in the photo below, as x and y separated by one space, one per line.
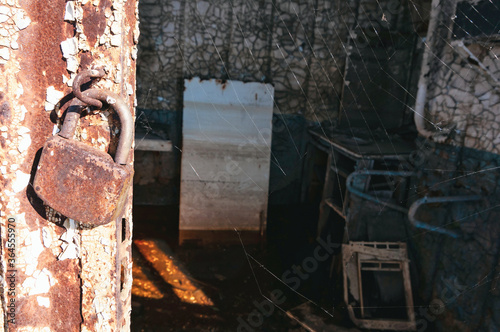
19 90
23 112
21 181
32 249
116 28
71 246
130 89
69 15
4 18
39 283
83 45
53 95
21 21
43 301
4 53
72 64
49 106
46 238
69 47
23 130
24 143
4 10
55 130
115 40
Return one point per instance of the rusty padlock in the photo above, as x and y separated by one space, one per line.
79 181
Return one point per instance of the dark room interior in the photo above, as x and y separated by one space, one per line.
317 166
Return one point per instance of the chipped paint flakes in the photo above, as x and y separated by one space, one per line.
72 64
69 47
46 238
55 130
21 181
19 90
83 44
71 245
21 21
32 249
130 89
39 283
69 15
116 28
4 53
23 112
4 18
53 95
53 98
115 40
43 301
4 10
24 143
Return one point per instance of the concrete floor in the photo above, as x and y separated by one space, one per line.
222 288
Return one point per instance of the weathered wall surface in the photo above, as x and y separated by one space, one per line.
296 46
459 277
61 269
466 99
299 47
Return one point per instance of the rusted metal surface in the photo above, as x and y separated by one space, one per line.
376 256
79 181
82 183
62 271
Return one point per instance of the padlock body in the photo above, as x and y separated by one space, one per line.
81 182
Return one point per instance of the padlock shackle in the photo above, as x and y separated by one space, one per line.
120 107
126 121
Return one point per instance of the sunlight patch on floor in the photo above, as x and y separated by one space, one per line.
159 255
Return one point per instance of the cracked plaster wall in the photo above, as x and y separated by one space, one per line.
295 45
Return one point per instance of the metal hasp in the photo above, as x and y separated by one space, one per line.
79 181
384 260
429 200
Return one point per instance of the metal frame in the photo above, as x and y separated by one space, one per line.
380 253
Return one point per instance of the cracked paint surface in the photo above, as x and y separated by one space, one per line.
63 269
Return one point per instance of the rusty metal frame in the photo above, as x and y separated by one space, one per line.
378 254
83 275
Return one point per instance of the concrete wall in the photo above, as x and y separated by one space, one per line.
462 274
462 97
297 46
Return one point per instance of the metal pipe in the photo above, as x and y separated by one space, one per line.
421 98
428 200
368 197
415 206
